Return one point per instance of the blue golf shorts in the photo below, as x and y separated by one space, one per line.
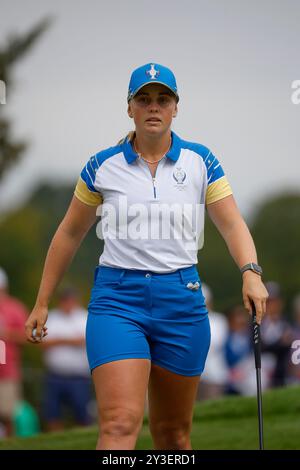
142 314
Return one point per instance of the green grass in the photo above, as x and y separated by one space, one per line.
227 423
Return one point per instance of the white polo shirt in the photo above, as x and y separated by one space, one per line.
65 359
154 224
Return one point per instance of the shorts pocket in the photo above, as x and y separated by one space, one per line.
104 278
105 290
107 283
193 287
194 284
103 296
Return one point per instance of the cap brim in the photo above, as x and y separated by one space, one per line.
150 83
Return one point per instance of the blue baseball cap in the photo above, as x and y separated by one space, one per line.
151 73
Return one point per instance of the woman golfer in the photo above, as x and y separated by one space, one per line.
148 325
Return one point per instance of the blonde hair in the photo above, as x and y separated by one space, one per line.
129 137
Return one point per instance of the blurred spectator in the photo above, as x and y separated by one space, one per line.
68 376
214 378
13 316
296 317
238 347
240 356
294 369
276 334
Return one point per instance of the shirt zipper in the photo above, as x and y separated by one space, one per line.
154 187
153 180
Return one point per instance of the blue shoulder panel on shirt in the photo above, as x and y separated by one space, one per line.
88 173
213 166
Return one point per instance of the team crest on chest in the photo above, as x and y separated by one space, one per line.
153 72
179 176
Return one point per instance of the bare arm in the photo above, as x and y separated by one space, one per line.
231 225
229 222
65 243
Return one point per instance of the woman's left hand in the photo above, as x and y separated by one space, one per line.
254 289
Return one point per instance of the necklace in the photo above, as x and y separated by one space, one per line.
149 161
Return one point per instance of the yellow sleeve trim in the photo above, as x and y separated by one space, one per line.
218 190
83 193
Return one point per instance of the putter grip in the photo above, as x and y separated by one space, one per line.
256 338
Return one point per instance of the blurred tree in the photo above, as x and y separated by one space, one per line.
218 270
27 232
26 235
276 230
10 150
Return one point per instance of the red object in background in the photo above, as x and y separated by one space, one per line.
13 316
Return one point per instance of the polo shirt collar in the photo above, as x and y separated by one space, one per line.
173 153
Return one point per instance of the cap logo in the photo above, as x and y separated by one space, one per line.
153 72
